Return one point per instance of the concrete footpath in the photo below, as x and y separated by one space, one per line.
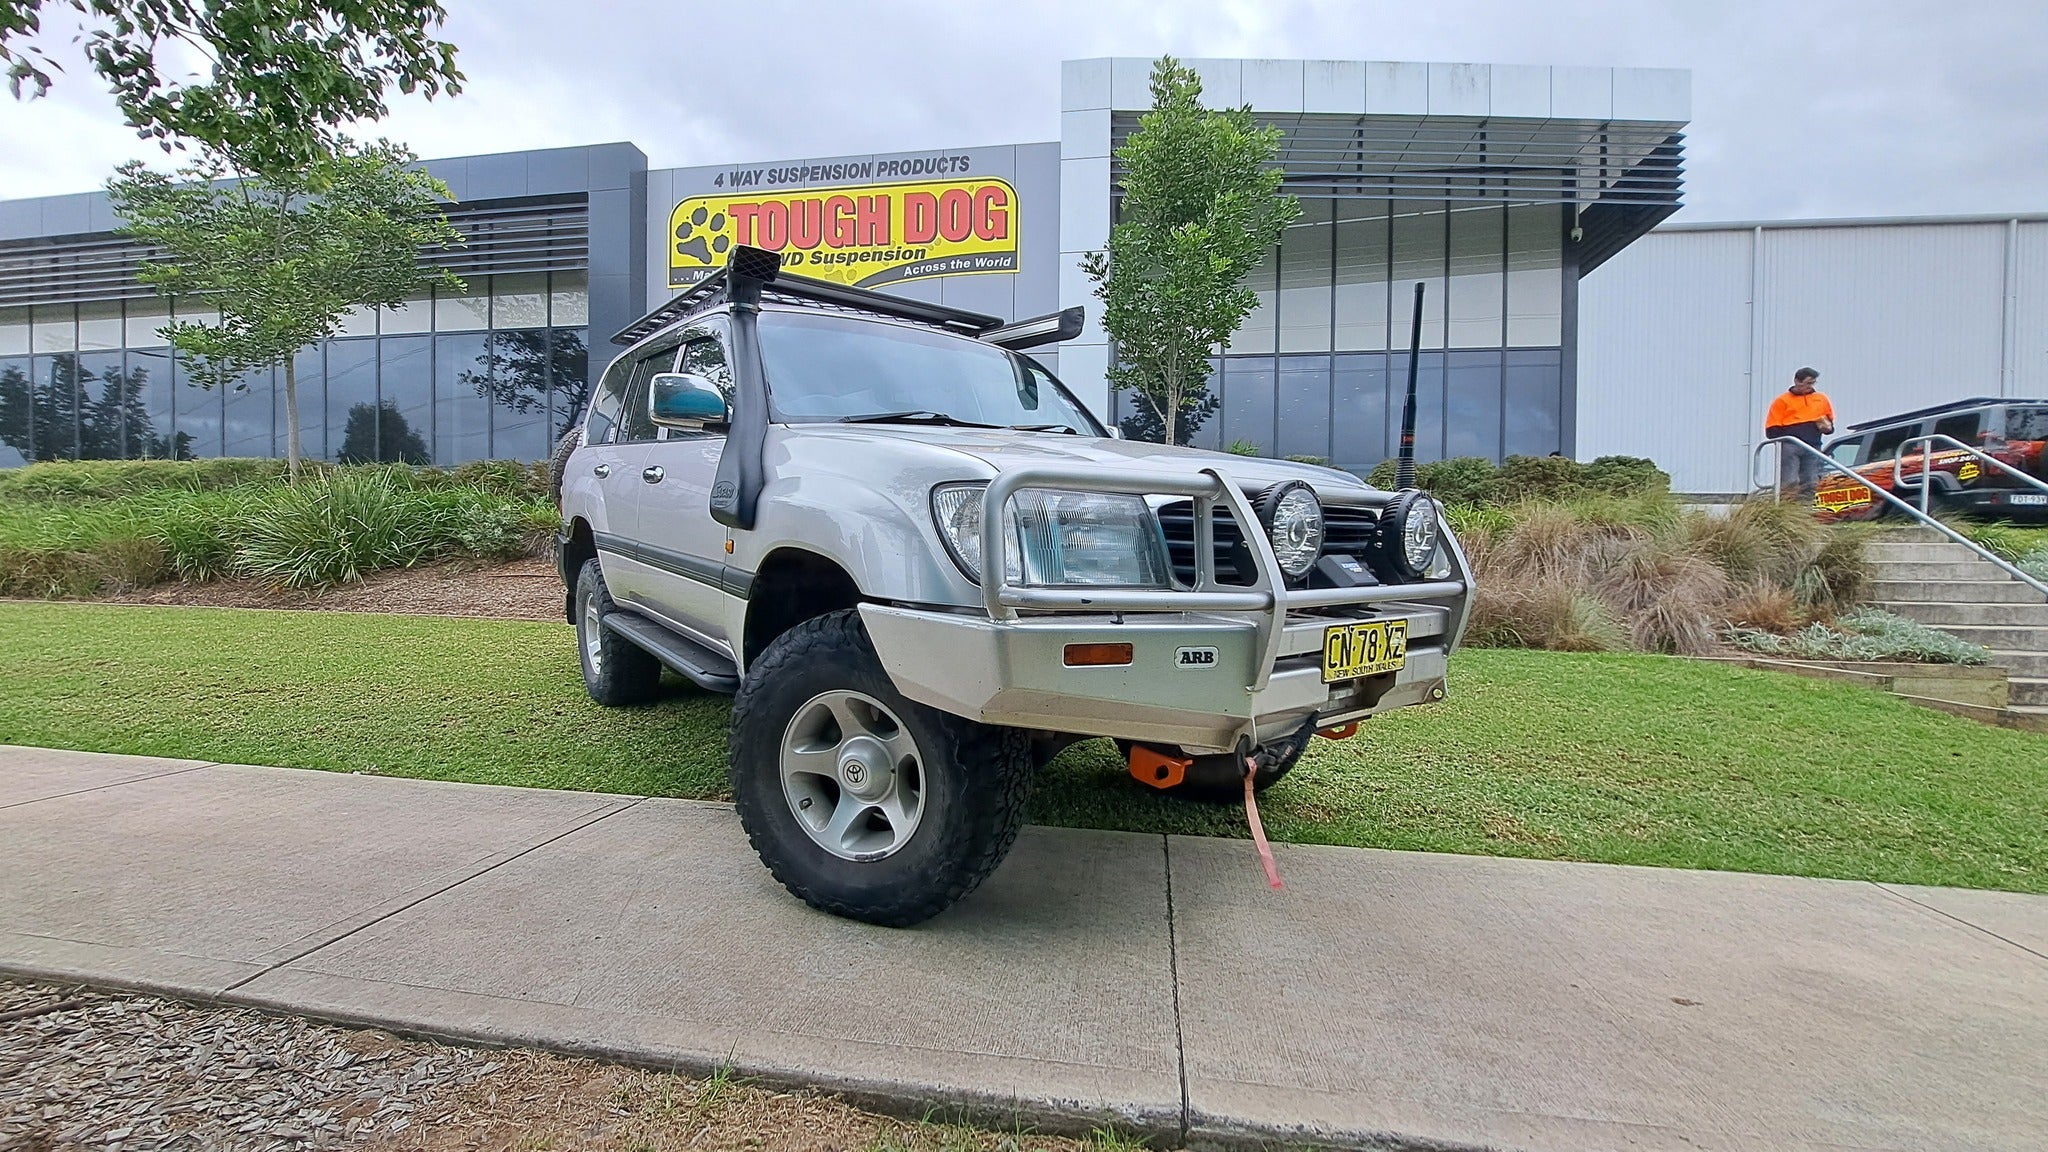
1385 999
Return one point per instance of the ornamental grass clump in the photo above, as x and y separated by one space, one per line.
1662 578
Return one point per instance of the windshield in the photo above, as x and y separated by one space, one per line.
822 367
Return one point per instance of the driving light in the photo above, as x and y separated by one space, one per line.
1408 534
1294 521
1058 537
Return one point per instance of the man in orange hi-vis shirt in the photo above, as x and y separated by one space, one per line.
1804 414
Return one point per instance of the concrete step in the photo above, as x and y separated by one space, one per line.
2023 664
2000 591
1945 613
1911 534
2027 692
2020 638
1938 570
1885 551
2031 719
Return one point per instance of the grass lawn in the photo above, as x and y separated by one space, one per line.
1626 759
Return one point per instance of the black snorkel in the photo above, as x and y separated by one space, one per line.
737 488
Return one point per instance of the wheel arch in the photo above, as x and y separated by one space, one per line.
790 586
575 544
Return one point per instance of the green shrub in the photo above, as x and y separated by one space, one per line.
1861 634
1318 461
1459 480
107 479
1244 448
1626 476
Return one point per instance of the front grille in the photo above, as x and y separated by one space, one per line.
1347 531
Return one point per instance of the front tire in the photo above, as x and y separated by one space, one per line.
616 672
861 802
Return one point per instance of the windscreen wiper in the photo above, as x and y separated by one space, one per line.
915 416
1069 429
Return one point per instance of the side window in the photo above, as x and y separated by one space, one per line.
1964 426
1884 444
1846 452
2026 423
611 400
635 424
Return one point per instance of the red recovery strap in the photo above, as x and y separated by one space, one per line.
1251 815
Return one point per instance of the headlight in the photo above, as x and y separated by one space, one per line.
1294 521
1058 537
1409 534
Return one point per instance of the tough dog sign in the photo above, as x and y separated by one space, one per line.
862 235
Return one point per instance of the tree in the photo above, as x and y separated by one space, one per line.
281 76
1201 207
284 256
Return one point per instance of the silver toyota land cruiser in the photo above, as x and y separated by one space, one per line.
923 568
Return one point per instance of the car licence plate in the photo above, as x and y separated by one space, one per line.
1367 649
2027 498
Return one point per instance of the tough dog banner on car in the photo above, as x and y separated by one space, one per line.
858 234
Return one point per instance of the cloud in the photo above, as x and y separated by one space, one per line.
1832 108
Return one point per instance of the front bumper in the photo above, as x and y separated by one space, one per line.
1013 672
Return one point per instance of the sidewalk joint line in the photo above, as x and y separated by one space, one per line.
411 904
115 784
1180 1043
1958 919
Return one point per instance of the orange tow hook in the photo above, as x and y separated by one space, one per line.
1340 732
1156 768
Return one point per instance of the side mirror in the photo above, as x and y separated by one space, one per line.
686 399
1116 431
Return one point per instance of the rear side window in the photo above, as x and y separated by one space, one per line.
1845 452
611 399
2026 423
1884 443
634 423
1964 426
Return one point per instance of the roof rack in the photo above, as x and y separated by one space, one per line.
779 285
1938 409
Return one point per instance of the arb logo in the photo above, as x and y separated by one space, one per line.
1195 658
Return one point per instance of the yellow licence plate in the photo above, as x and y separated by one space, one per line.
1368 649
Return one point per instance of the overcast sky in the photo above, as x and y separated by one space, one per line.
1800 109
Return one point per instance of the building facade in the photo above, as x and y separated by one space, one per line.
1686 337
1496 186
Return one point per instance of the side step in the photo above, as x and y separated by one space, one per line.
710 670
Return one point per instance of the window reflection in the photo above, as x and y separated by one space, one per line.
247 415
100 406
195 414
462 417
1304 428
352 401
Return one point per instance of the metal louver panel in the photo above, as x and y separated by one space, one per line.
1621 177
526 236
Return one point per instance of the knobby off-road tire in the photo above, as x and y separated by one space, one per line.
972 780
1219 779
616 673
558 463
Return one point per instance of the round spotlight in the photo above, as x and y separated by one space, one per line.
1294 522
1409 534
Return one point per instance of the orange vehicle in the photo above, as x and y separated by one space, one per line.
2007 430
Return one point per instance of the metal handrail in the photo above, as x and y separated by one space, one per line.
1927 466
1267 595
1829 462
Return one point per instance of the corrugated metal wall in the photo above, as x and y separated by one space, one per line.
1686 336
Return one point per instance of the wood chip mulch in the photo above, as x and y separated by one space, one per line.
518 590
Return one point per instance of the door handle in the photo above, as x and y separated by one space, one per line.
602 471
652 474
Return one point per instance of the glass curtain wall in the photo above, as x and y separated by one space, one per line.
1320 367
496 371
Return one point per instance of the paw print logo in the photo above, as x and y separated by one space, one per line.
703 235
